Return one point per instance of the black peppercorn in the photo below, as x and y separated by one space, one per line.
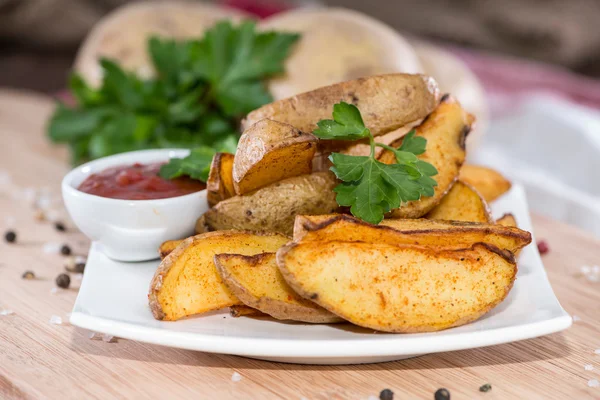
63 281
442 394
10 236
28 275
485 388
65 250
386 394
79 268
59 226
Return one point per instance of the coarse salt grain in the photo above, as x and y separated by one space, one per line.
51 248
10 221
94 335
29 195
236 377
596 269
576 318
5 178
588 367
44 202
56 320
585 269
77 277
593 383
372 398
597 351
80 259
108 338
53 215
6 312
53 290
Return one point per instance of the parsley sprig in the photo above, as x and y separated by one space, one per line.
201 90
369 187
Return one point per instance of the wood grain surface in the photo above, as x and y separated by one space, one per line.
39 360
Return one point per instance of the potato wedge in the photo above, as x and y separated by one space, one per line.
507 220
167 247
447 235
257 282
271 151
489 182
187 282
273 208
386 103
399 288
243 311
445 129
462 203
219 185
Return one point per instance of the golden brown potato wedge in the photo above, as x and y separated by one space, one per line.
187 282
219 185
271 151
399 288
507 220
386 103
462 203
273 208
447 235
257 282
243 311
489 182
445 130
167 247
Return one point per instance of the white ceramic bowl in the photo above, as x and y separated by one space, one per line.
131 230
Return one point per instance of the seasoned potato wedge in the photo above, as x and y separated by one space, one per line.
219 185
167 247
448 235
445 130
399 288
257 282
273 208
386 103
187 282
462 203
489 182
271 151
243 311
507 220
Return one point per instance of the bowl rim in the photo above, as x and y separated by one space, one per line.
125 158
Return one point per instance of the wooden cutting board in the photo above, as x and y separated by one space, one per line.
42 360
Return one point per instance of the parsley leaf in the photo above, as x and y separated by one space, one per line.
196 165
201 89
369 187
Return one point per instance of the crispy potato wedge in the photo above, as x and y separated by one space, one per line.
507 220
489 182
187 282
167 247
257 282
462 203
273 208
399 288
386 103
447 235
219 185
445 129
243 311
271 151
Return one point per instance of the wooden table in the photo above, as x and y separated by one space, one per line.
41 360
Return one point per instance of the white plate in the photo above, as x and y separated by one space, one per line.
113 300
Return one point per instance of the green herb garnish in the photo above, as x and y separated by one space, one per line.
201 90
369 187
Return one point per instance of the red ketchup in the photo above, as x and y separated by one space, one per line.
138 182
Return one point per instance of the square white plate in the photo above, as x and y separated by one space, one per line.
113 300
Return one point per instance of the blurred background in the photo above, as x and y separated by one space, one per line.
528 69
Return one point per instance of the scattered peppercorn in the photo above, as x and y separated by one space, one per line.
442 394
485 388
59 226
79 268
65 250
63 281
386 394
10 236
543 247
28 275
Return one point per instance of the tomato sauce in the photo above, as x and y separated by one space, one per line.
138 182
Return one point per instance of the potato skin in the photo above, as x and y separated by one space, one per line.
257 282
219 185
167 247
271 151
489 182
386 103
446 235
462 203
273 208
238 310
403 289
445 129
